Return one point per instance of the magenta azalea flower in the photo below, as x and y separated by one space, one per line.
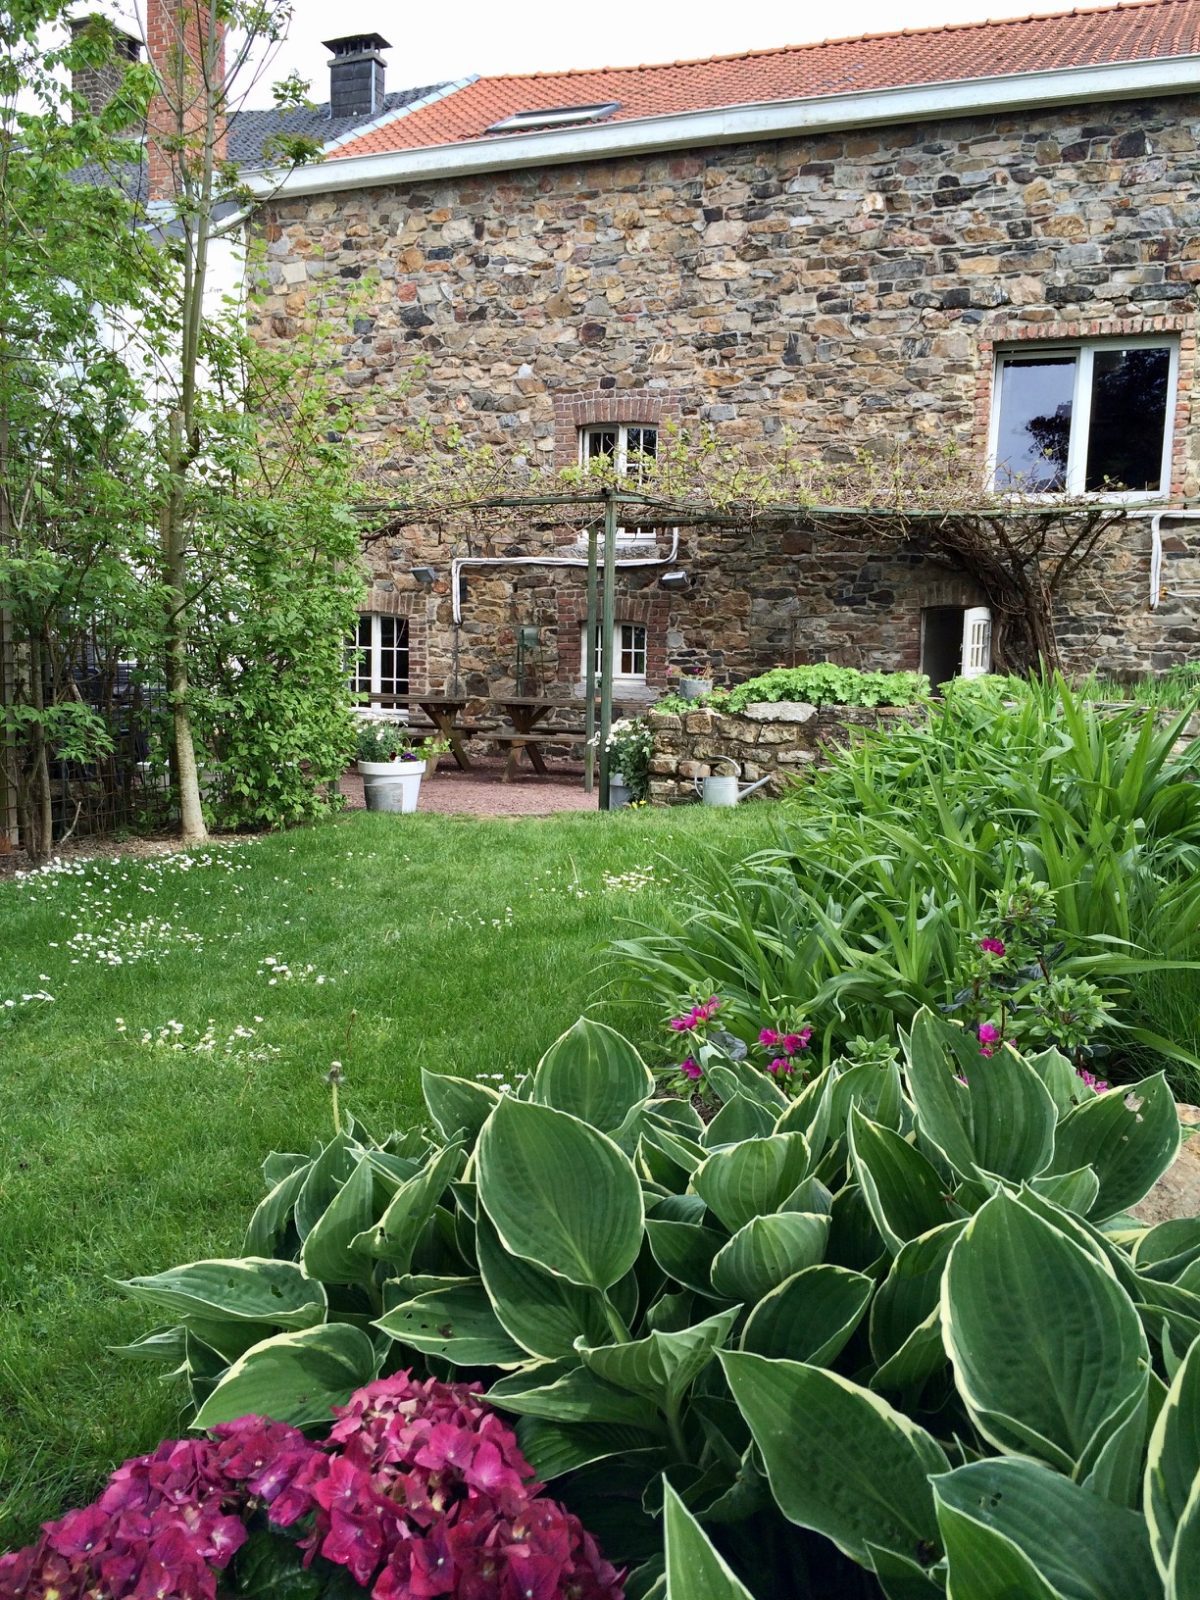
994 947
768 1037
792 1043
691 1068
1091 1080
698 1015
989 1035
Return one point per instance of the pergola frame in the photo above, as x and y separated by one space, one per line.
974 539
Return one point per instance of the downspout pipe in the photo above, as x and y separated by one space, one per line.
460 563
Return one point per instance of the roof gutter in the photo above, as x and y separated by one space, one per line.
1126 80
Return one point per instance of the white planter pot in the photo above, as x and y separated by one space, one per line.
391 785
619 793
693 688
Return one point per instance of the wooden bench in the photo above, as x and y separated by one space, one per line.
520 741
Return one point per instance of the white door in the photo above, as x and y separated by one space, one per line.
977 642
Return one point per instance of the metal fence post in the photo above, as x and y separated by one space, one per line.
608 612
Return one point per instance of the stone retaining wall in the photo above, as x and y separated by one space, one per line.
769 740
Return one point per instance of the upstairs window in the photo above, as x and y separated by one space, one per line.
378 656
1090 418
631 448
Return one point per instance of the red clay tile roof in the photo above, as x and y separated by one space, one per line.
1137 31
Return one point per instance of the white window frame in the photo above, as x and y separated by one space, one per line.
377 619
625 536
1084 351
625 679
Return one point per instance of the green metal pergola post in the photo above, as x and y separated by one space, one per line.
608 608
589 658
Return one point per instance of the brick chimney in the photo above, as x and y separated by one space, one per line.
356 75
97 86
177 33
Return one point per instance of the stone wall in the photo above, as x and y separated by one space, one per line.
851 288
775 741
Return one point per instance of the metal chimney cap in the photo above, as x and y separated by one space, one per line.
353 44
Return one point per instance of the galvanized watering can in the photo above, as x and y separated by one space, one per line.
722 789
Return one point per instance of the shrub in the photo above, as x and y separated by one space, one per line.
872 1327
827 685
420 1490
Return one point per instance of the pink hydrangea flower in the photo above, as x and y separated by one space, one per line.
419 1491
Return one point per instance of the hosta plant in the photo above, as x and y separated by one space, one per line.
878 1336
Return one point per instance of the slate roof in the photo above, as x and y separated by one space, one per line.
249 130
1137 31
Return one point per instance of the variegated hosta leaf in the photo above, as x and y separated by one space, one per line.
1173 1459
1081 1544
1048 1351
293 1377
559 1194
593 1072
839 1459
695 1570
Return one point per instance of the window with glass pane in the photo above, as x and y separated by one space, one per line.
358 655
630 658
1035 423
1129 419
630 447
1090 419
378 656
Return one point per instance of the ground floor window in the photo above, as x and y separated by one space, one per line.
378 655
629 662
956 642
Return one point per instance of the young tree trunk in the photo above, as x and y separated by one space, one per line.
174 545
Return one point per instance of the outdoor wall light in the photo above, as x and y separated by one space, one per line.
675 580
424 575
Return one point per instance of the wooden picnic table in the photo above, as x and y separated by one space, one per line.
525 712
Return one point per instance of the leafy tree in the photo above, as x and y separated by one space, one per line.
70 530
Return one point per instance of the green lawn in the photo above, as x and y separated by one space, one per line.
411 942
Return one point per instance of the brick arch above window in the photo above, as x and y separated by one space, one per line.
647 408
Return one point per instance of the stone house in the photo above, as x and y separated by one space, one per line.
988 233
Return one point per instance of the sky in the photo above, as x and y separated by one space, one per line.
435 42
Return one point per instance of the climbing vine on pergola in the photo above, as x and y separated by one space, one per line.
1021 551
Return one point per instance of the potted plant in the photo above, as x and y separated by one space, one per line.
630 747
392 763
693 688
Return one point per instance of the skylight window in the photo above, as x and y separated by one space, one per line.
554 117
